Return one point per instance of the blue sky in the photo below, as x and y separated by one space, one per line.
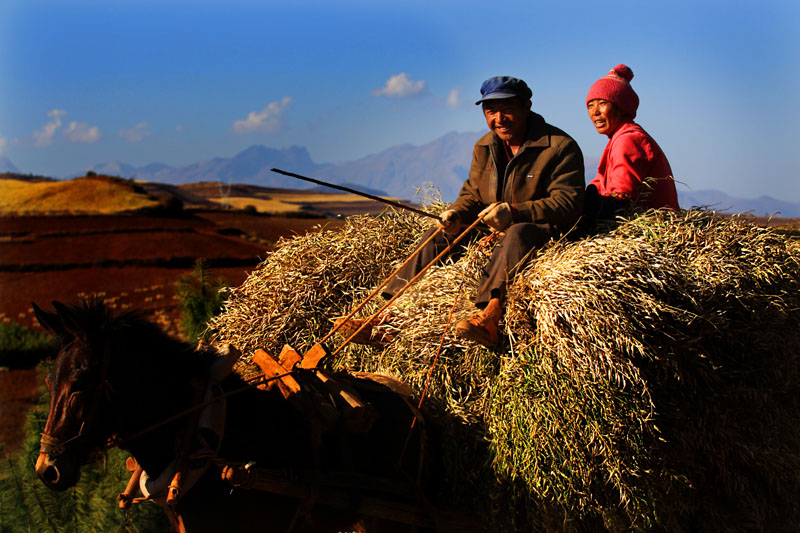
85 82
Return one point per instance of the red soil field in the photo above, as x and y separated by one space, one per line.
132 262
84 249
18 393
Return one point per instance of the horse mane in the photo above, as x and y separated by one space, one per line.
131 329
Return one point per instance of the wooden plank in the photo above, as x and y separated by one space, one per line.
289 357
358 416
277 483
313 356
271 368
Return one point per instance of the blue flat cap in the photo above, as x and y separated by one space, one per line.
503 87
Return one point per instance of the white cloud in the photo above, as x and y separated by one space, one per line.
3 144
78 132
454 97
269 119
44 136
135 134
401 86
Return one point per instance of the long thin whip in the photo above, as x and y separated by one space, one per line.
359 193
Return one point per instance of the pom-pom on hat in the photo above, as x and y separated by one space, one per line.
504 87
616 88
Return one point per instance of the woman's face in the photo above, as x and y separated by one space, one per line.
605 116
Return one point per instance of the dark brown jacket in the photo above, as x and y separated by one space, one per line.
544 182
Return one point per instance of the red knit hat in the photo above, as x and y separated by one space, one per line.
616 88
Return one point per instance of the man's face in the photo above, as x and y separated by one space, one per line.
507 118
605 116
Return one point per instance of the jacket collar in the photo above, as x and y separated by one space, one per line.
625 127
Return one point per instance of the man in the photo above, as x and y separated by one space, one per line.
528 177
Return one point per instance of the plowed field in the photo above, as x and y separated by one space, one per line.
132 262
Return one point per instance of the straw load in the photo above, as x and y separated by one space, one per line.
649 378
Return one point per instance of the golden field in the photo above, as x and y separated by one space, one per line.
96 195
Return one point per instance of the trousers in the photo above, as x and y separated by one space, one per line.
507 259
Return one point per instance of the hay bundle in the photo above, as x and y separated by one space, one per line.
650 379
306 280
658 375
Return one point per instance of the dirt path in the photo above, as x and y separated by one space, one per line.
19 391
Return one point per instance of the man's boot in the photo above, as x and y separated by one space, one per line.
482 327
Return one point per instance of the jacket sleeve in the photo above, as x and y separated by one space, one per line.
563 202
469 203
628 166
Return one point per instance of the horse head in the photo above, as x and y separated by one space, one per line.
79 395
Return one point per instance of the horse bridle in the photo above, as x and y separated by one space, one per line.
53 446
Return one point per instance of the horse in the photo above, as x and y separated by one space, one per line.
120 379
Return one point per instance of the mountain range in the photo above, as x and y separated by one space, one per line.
398 171
7 166
719 201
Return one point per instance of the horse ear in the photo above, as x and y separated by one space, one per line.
69 324
49 321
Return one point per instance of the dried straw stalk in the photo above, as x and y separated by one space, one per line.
650 377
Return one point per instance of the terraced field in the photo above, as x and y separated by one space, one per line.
132 262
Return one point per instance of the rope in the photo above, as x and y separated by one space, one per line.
430 371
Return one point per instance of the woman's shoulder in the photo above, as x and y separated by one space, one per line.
631 134
631 130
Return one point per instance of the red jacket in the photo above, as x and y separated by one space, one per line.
631 155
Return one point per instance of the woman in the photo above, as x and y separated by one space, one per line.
633 170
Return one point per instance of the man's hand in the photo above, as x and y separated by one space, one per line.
498 216
450 220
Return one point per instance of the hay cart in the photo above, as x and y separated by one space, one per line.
324 399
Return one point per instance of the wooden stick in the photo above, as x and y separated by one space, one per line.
412 281
126 498
359 193
382 285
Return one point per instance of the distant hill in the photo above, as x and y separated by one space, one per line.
354 186
720 201
24 177
94 195
248 166
7 166
397 172
400 170
152 172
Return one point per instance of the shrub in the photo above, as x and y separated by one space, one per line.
21 347
170 206
201 298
